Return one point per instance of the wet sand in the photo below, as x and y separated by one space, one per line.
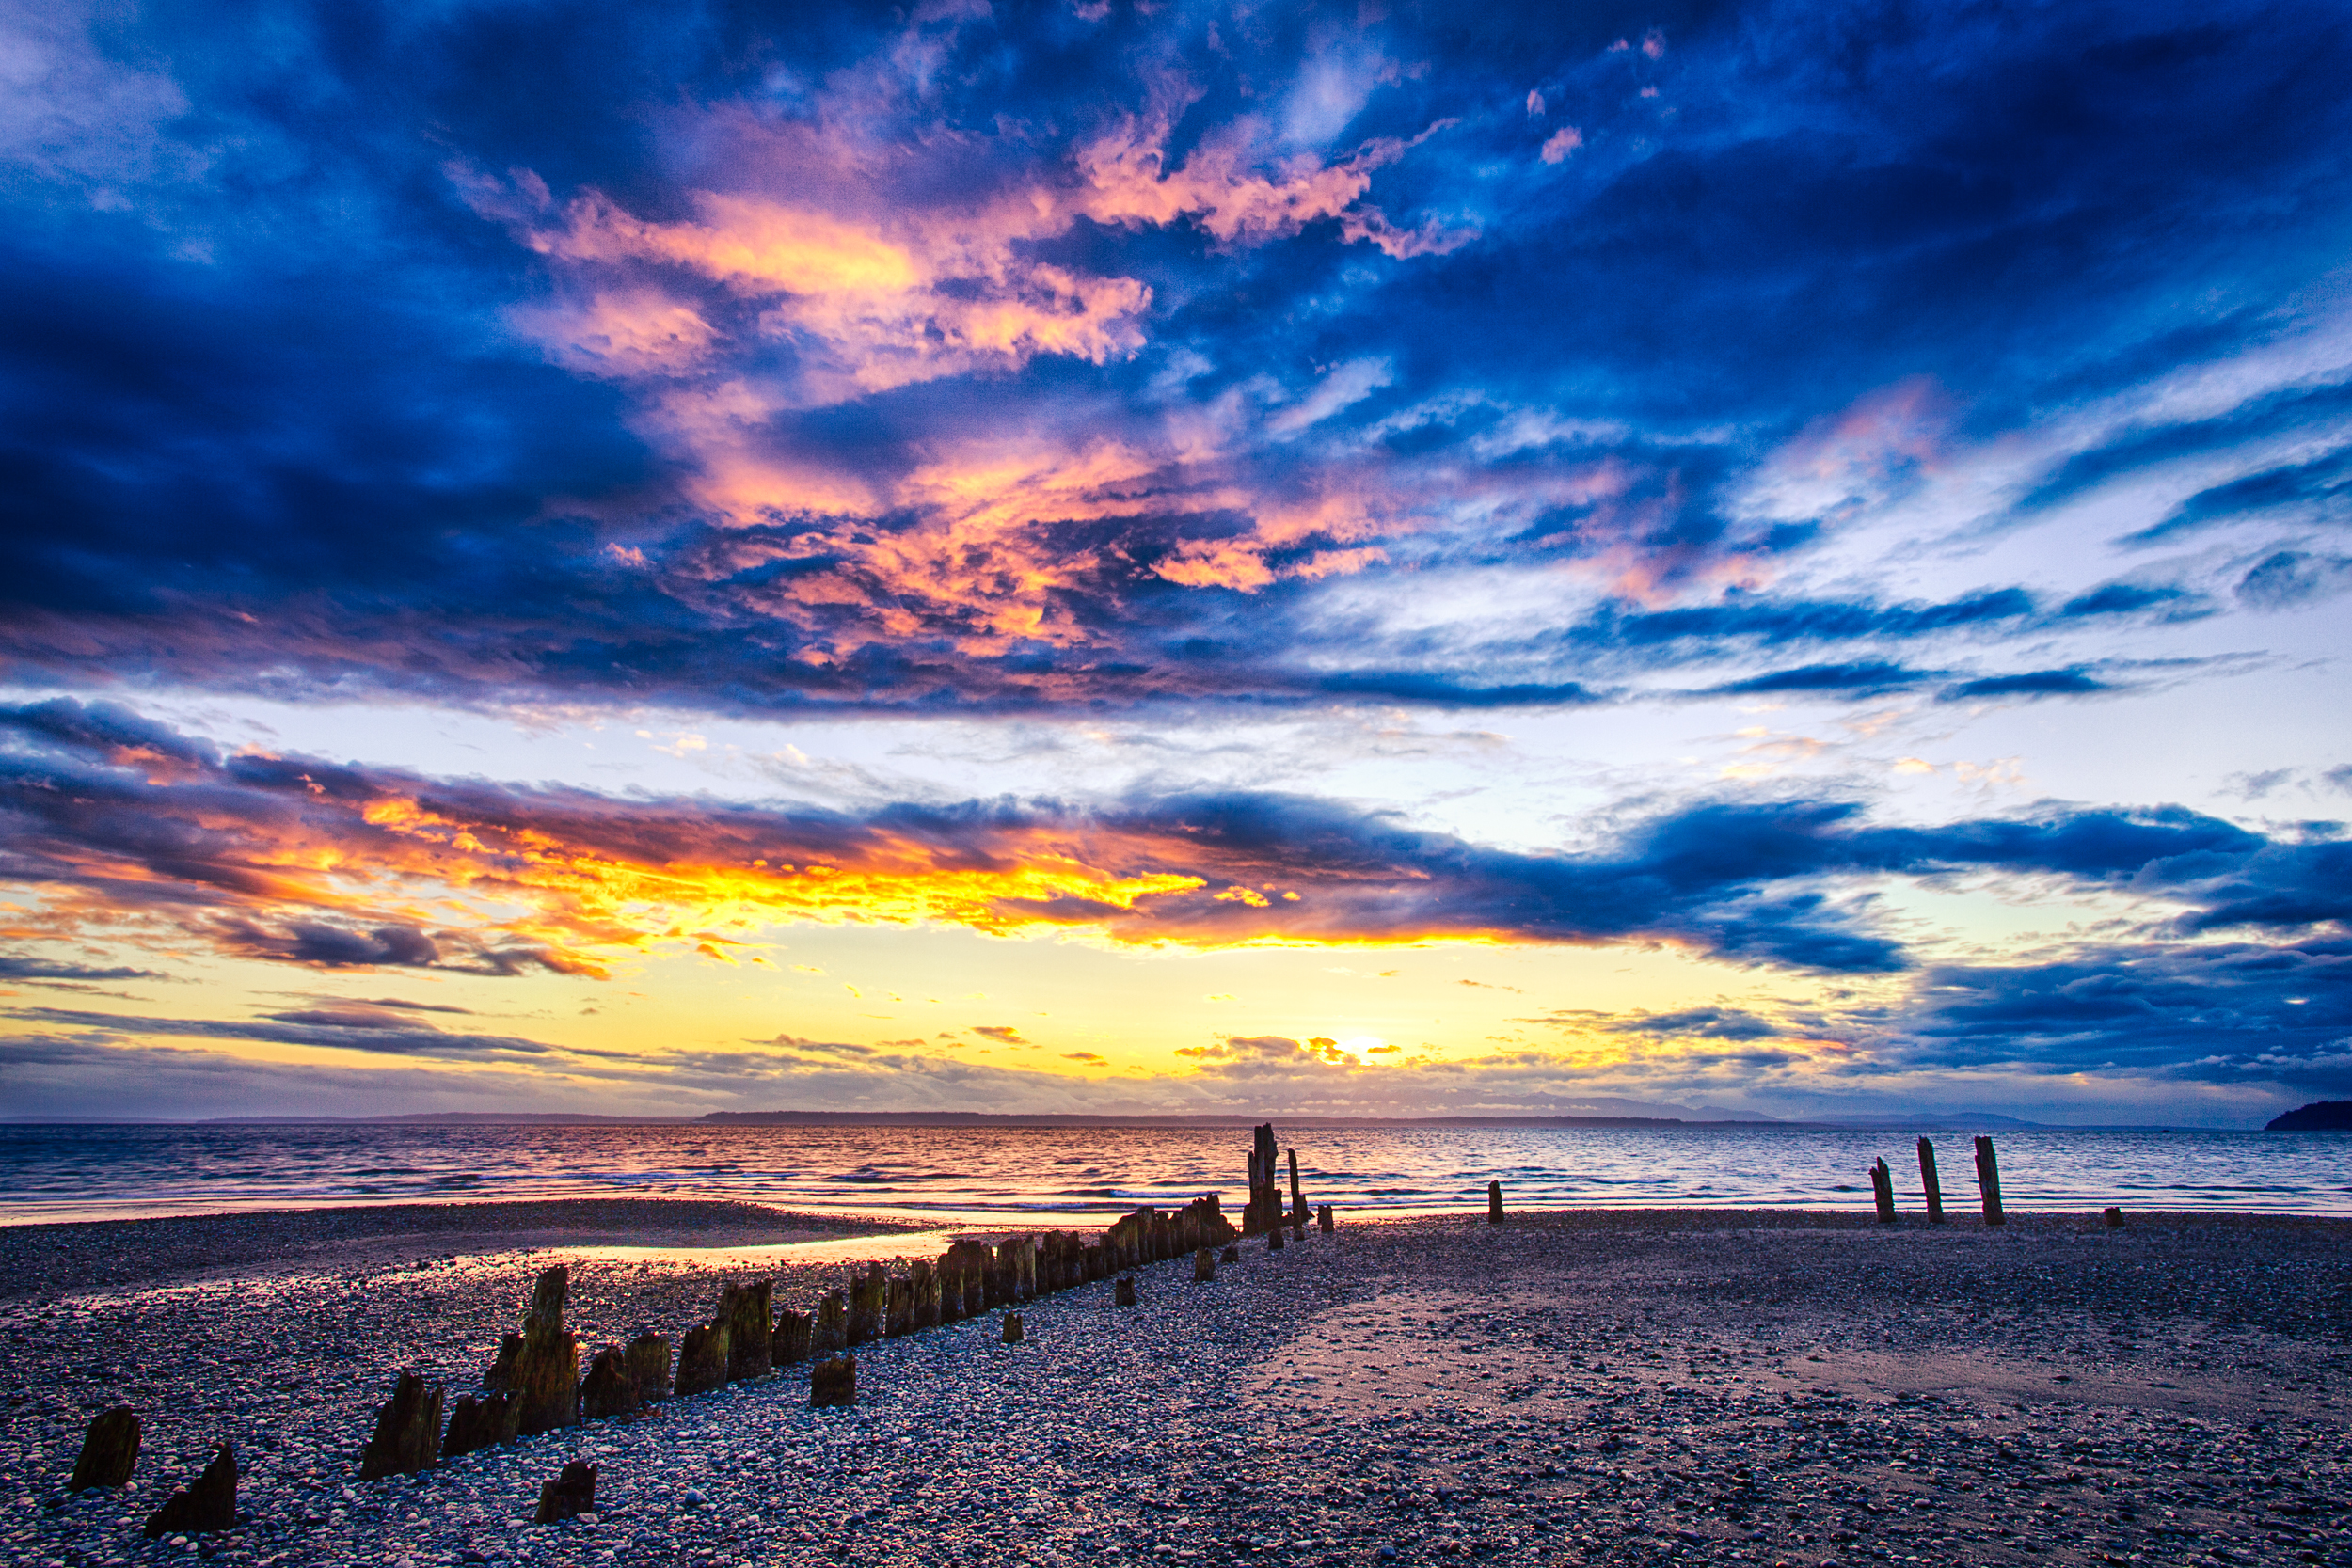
1618 1387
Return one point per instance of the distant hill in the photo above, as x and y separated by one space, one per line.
2320 1115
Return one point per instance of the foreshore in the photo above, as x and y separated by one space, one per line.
1767 1386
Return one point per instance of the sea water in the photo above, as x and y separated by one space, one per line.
99 1172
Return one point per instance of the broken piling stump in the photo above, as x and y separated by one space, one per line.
832 1335
407 1438
545 1378
483 1422
702 1360
649 1362
1274 1238
1325 1219
1123 1294
1204 1266
1927 1179
207 1503
1494 1203
899 1316
794 1333
926 1294
1882 1191
869 1297
833 1382
1299 1198
1013 1332
110 1449
570 1493
2113 1217
1989 1180
750 1329
1231 1255
607 1389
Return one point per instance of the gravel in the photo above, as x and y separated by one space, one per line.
1625 1387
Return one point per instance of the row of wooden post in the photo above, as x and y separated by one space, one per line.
1987 1184
533 1384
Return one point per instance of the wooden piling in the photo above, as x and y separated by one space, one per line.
1274 1238
751 1330
1299 1198
1266 1195
2113 1217
545 1377
572 1492
870 1299
607 1389
207 1503
1494 1203
926 1285
1324 1219
1204 1266
795 1336
1989 1180
831 1336
1013 1330
110 1449
1231 1255
1927 1179
648 1361
899 1317
476 1423
1882 1188
1124 1294
833 1382
702 1360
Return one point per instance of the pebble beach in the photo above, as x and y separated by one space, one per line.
1762 1387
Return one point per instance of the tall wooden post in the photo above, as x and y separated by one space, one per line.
1927 1179
1882 1188
1299 1198
1989 1180
1494 1203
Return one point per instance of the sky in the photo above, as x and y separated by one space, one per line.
1778 560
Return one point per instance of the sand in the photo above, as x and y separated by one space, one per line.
1602 1387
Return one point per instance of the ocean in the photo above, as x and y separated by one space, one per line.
50 1173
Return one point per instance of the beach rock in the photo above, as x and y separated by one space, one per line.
110 1448
899 1316
833 1382
1124 1294
546 1376
572 1492
870 1299
750 1329
1012 1329
207 1503
407 1434
609 1391
1204 1266
648 1360
924 1284
480 1423
831 1336
794 1333
702 1361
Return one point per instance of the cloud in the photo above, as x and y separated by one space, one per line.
1003 1034
352 1029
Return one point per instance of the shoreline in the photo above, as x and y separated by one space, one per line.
1589 1387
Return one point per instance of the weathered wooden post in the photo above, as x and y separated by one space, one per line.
1882 1188
869 1297
648 1361
834 1382
573 1491
207 1503
1299 1198
1265 1193
1231 1253
2113 1217
1989 1180
831 1336
110 1449
1325 1218
1274 1237
1123 1294
1204 1266
407 1434
702 1360
926 1284
1013 1331
480 1423
901 1318
751 1330
795 1333
607 1389
1927 1179
1494 1203
545 1376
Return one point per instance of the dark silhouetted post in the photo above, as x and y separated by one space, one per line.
1882 1188
834 1382
1014 1331
1299 1197
1204 1266
1927 1179
1494 1203
572 1492
109 1449
1989 1180
2113 1216
207 1503
407 1431
1324 1217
